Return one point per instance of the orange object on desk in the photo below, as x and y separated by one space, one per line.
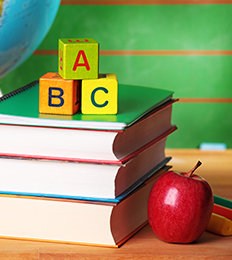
57 95
223 211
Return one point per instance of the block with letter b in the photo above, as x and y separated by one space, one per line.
100 96
78 58
57 95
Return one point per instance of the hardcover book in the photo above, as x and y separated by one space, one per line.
100 223
144 116
57 178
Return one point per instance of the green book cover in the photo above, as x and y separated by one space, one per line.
21 107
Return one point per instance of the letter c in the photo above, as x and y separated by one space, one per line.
93 97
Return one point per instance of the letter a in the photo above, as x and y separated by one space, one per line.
61 59
77 64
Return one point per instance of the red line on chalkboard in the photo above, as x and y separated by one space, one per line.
161 2
149 52
166 52
205 100
45 52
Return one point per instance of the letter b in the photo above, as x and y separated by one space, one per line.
54 98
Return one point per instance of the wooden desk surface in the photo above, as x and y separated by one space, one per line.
216 169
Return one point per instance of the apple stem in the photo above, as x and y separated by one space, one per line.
189 174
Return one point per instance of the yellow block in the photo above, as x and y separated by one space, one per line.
100 96
57 95
78 58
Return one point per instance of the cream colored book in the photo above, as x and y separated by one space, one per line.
75 221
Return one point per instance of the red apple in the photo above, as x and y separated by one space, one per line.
180 206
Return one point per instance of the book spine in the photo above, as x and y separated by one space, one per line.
19 90
147 145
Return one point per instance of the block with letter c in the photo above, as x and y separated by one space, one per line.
100 96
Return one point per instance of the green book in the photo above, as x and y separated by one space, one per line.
21 107
143 120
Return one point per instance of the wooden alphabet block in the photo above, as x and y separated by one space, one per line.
57 95
100 96
78 58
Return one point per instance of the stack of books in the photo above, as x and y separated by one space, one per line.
81 179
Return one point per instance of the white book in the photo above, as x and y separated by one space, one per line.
74 179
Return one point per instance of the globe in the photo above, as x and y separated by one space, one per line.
23 26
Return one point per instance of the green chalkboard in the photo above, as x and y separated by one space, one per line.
175 28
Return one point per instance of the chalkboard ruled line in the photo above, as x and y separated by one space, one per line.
45 52
165 52
149 52
205 100
161 2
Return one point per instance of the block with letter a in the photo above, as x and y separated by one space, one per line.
100 96
58 95
78 58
